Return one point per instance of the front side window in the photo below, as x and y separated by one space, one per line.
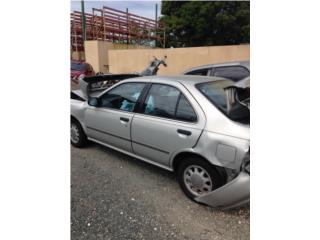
234 73
123 97
168 102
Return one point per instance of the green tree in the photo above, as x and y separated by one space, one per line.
197 23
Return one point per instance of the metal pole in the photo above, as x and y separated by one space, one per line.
127 10
104 26
93 29
83 19
76 39
156 23
164 37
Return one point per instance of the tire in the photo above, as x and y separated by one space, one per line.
200 174
78 138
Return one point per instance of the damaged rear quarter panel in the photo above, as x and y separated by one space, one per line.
222 150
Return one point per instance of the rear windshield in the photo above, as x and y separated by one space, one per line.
214 91
78 66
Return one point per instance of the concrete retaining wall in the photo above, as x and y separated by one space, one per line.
178 59
96 53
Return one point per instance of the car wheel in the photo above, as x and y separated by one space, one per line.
197 177
78 137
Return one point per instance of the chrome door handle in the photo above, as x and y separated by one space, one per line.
124 119
184 132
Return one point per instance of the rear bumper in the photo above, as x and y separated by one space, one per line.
233 194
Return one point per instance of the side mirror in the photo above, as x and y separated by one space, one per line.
93 101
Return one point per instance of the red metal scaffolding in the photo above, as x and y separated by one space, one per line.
113 25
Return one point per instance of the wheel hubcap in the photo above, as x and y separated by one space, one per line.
75 135
197 180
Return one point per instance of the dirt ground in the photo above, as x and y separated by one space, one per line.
114 196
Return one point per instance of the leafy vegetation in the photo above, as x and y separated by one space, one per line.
197 23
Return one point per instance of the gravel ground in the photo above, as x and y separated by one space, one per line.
114 196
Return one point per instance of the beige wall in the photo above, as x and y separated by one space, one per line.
178 59
96 53
77 55
92 54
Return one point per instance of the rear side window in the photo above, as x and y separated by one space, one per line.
184 110
161 101
235 73
168 102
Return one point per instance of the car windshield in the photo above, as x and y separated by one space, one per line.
78 66
215 92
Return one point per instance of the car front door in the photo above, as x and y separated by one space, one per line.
110 121
167 123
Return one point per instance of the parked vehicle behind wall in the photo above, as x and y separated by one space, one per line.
80 69
234 71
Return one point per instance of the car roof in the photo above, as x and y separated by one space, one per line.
184 79
225 64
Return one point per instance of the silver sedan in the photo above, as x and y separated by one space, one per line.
184 124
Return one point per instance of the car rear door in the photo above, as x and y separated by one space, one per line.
169 121
110 122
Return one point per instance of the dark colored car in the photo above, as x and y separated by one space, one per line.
78 69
